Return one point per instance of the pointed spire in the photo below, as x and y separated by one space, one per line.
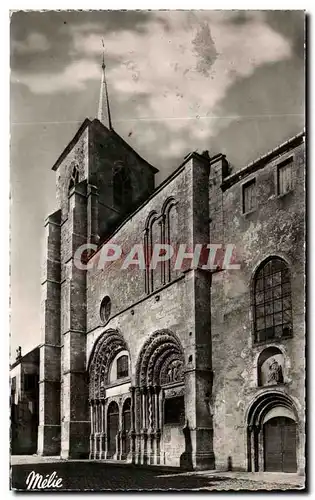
103 107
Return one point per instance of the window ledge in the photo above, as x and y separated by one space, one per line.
244 214
272 341
282 195
282 384
120 381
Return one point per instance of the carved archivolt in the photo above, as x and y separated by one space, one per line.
161 360
105 350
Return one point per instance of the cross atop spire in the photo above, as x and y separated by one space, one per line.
103 107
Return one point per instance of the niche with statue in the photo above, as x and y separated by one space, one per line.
270 367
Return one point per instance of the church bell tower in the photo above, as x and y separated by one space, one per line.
100 180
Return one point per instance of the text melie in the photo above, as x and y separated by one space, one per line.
37 481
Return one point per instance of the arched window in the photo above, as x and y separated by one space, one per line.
272 301
105 309
169 234
122 191
74 179
122 367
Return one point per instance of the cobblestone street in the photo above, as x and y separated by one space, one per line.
79 475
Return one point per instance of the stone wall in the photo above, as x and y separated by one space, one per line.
182 306
276 228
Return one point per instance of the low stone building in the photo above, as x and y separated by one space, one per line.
178 365
24 376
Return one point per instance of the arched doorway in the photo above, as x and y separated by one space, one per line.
280 445
272 436
112 429
159 398
109 364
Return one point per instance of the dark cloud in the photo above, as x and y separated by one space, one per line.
57 27
205 49
240 17
290 24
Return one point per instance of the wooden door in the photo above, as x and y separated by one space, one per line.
280 445
112 428
126 428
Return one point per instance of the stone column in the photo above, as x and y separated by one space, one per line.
157 425
161 424
132 455
106 430
49 379
97 429
198 354
75 419
92 435
138 420
103 438
198 373
249 449
301 446
144 458
256 448
120 433
150 425
117 439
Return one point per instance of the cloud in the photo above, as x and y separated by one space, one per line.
188 69
72 78
35 42
183 62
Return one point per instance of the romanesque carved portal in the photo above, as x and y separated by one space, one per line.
272 434
129 425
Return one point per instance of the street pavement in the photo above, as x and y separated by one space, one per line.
98 476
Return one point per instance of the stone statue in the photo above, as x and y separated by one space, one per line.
170 374
19 352
275 375
174 372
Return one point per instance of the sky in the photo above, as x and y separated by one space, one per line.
178 81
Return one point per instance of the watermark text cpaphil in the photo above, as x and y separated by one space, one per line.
206 256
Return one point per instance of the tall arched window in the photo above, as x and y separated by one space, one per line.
169 234
272 301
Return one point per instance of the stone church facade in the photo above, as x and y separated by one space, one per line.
187 367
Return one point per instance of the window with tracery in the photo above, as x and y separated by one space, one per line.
122 367
74 179
272 301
